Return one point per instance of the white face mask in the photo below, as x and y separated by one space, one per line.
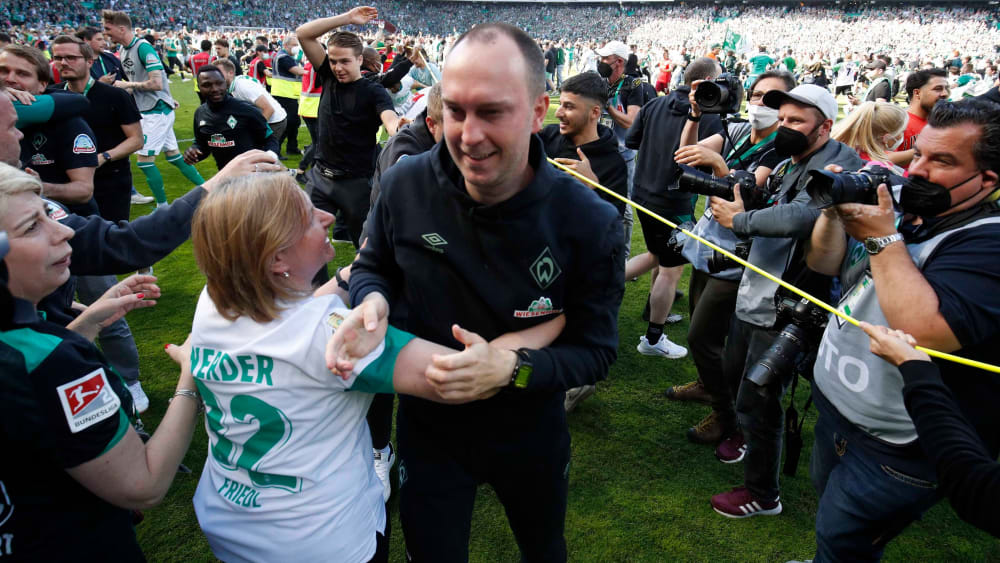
895 144
761 117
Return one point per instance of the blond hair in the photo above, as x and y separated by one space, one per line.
14 182
866 128
237 231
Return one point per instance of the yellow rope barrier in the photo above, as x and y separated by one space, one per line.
782 283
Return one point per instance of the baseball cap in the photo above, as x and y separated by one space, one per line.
877 63
808 94
616 48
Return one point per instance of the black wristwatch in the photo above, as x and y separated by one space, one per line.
521 375
107 156
693 118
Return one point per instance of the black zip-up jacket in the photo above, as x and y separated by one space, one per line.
231 128
441 258
605 160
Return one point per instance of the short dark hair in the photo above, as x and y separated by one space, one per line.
85 49
782 75
4 37
222 42
261 38
211 68
347 40
534 61
206 45
33 56
87 33
589 85
920 78
702 68
982 113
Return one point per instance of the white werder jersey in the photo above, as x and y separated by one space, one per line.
247 89
289 474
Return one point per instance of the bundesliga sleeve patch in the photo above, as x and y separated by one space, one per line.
88 400
83 144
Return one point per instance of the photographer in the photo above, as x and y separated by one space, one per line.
748 146
932 276
805 117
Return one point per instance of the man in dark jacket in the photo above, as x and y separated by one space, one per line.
656 132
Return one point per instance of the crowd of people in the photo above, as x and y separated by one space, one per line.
860 168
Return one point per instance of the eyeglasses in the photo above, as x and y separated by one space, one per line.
67 58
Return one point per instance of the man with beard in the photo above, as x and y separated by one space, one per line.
224 126
924 88
581 143
351 110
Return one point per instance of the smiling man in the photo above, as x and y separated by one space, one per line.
482 232
224 126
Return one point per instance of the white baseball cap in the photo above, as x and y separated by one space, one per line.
808 94
616 48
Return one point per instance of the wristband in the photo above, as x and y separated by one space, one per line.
189 394
340 281
693 118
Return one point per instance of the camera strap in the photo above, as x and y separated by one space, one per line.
793 430
740 154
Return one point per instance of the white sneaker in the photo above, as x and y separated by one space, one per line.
674 318
664 347
383 463
185 80
139 199
139 397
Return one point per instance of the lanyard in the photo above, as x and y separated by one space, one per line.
752 149
104 69
90 82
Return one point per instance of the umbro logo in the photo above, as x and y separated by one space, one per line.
434 242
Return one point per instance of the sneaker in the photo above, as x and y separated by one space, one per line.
732 449
740 503
383 463
674 318
709 431
693 391
139 199
664 347
576 395
185 80
139 397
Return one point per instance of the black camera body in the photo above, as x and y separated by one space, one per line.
804 326
693 181
722 96
832 188
719 262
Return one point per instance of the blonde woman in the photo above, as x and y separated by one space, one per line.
289 475
873 129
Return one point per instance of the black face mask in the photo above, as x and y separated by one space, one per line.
604 69
924 198
789 142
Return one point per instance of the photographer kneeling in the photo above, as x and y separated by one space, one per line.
748 147
933 275
805 116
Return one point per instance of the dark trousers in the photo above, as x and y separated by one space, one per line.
307 157
438 482
759 408
113 195
291 107
350 194
712 303
380 419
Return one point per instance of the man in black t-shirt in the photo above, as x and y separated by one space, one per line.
351 110
222 51
224 126
114 119
63 153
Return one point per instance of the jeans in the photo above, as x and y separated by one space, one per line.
712 303
758 408
115 339
629 218
863 501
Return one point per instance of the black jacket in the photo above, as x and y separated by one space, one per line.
656 132
442 258
231 128
605 161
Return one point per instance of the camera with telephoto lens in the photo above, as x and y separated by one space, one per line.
719 262
722 95
834 188
804 326
694 181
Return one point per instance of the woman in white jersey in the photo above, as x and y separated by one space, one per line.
289 475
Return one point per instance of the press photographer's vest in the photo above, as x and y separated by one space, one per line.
865 389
